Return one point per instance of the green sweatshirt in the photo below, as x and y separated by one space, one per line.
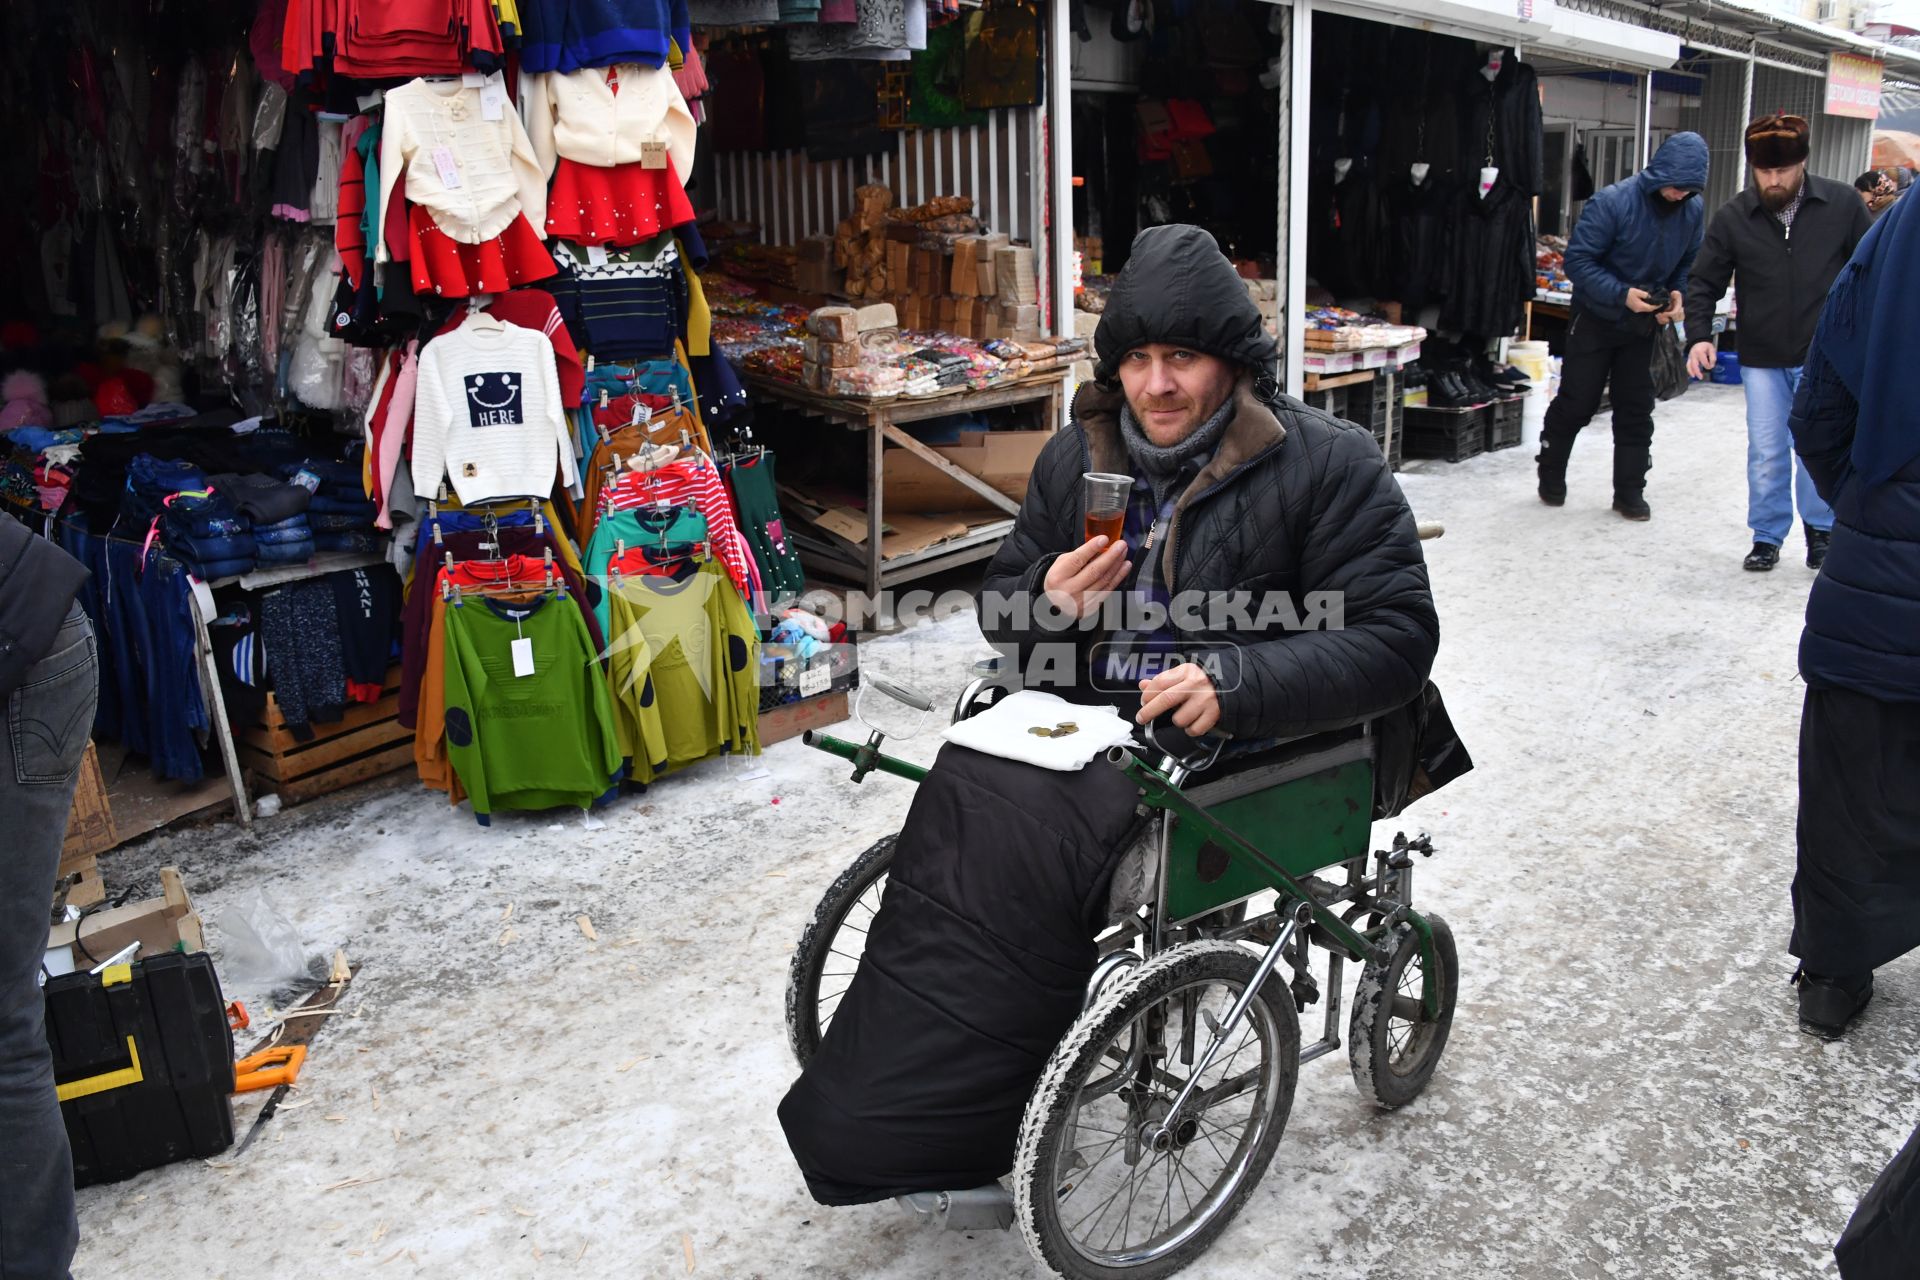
535 741
700 652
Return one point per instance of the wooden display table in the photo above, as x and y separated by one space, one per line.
864 560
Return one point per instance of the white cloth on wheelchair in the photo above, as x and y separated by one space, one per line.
1006 729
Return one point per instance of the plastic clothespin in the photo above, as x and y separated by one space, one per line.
589 362
603 397
449 561
620 548
548 556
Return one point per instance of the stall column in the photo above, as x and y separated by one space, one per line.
1746 113
1296 118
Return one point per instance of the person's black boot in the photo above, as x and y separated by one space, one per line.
1817 540
1632 505
1552 460
1829 1005
1762 558
1630 467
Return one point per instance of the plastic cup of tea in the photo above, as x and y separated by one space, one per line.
1106 504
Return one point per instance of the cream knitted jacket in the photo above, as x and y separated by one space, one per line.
487 413
577 114
434 131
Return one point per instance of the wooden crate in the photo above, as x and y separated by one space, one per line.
90 828
368 741
791 719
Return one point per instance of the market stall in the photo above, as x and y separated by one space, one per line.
336 339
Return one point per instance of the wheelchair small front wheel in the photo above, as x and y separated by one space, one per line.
1108 1183
830 947
1392 1044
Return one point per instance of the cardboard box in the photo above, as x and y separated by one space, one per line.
815 249
1013 269
1004 459
159 925
818 277
830 355
90 827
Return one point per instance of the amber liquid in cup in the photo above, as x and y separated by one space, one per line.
1106 523
1104 499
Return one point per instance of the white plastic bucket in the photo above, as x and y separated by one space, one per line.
1531 359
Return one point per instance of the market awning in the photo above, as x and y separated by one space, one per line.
1538 24
1739 29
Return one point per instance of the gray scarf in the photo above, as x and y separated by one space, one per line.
1163 465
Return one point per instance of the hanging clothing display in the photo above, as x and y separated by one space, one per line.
688 649
1492 272
751 481
565 35
527 717
463 161
488 414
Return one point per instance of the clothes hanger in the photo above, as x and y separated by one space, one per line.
478 319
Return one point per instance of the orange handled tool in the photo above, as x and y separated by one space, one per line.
268 1069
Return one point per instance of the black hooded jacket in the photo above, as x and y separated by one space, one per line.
1293 500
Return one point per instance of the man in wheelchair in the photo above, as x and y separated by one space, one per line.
1267 582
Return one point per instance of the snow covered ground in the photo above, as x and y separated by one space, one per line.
1625 1093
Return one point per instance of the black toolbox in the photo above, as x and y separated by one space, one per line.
143 1062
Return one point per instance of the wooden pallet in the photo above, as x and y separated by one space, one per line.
368 741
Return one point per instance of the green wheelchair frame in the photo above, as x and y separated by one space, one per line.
1311 812
1284 814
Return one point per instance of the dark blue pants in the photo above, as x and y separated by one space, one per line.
48 721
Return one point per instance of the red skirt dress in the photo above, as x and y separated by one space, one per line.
454 269
622 205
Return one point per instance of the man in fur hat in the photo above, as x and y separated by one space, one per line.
1787 235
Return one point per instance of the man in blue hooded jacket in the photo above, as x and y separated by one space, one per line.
1628 259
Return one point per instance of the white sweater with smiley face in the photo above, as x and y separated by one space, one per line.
487 414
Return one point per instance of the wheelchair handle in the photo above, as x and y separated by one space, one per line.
1194 761
898 692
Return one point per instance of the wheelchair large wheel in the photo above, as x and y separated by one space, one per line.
831 946
1392 1044
1099 1192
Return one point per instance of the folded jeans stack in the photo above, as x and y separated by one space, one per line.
151 481
339 513
205 532
288 541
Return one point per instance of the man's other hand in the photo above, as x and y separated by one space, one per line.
1700 359
1675 308
1638 301
1081 578
1185 691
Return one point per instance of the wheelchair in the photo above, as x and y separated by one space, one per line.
1158 1113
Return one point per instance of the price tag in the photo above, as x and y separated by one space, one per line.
815 678
522 650
493 99
653 155
471 79
448 167
596 255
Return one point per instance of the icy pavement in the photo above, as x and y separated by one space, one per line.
1625 1093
